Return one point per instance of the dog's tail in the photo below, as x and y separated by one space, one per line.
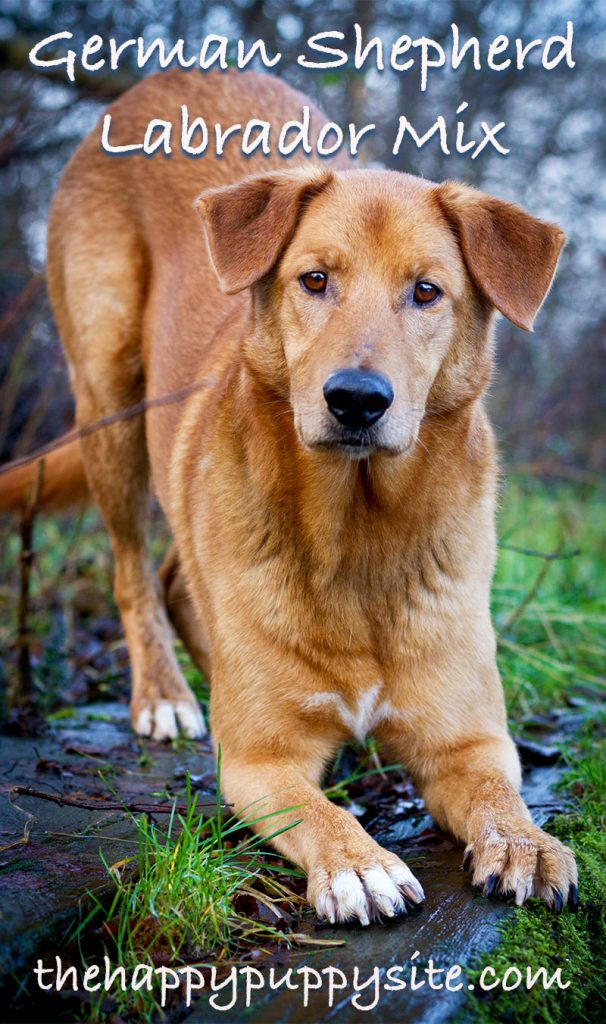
64 483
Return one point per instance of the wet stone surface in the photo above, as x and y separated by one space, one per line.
92 756
86 756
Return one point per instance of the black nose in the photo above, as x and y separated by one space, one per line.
357 398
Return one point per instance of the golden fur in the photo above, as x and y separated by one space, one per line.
327 595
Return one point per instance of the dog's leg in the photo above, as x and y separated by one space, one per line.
349 875
181 612
97 299
116 466
272 762
471 790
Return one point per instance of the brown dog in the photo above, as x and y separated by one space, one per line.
331 484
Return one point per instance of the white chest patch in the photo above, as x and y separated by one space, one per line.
360 719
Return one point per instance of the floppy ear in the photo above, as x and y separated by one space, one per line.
249 224
511 256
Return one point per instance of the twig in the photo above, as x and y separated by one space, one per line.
21 694
79 433
556 469
107 805
23 840
549 556
532 593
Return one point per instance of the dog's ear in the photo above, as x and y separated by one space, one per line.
249 224
511 256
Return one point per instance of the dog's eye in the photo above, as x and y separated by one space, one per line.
315 281
425 292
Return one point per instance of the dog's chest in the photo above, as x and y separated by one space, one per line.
360 716
347 616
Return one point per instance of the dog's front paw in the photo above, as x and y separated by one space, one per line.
163 719
519 859
365 891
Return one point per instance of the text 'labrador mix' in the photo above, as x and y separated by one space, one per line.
331 493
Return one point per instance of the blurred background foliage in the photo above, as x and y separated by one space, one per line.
548 394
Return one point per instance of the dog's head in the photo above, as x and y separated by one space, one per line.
374 293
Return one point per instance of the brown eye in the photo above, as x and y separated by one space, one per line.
315 281
425 292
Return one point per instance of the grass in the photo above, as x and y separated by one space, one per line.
554 643
199 891
183 899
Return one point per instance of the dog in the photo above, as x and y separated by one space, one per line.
329 479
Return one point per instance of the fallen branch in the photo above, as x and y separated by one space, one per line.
136 807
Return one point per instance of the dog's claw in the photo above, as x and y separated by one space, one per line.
467 859
523 891
558 902
573 897
490 885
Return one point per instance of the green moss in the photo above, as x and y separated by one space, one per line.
62 714
576 943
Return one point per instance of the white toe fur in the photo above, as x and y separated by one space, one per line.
366 895
384 895
164 719
191 721
326 907
350 897
144 722
165 722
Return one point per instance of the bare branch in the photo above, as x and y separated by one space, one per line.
137 807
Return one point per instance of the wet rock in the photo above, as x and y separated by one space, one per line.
537 753
49 854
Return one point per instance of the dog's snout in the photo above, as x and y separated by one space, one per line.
357 398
